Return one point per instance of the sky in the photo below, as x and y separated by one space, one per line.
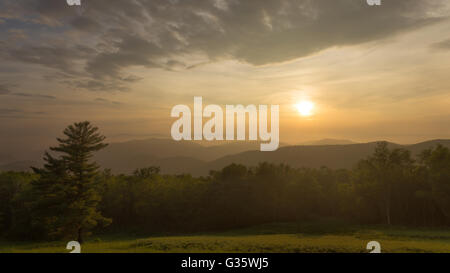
372 72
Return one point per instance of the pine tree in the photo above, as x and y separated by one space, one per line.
68 189
50 203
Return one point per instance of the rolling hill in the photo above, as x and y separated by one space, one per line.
328 141
315 156
195 158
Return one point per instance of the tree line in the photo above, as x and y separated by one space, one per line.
71 197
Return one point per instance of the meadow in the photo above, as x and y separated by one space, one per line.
268 238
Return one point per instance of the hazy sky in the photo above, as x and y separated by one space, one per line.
372 72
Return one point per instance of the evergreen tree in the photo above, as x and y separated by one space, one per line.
50 203
148 172
68 189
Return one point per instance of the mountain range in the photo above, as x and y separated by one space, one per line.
196 158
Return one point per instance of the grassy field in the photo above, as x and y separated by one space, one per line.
266 238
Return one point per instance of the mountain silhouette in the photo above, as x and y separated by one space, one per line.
316 156
197 159
328 141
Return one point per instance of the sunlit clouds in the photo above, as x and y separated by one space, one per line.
124 64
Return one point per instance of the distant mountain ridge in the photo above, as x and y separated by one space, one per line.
328 141
332 156
189 157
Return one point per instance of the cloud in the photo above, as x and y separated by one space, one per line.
441 46
86 24
34 95
61 58
17 34
131 79
18 113
131 51
98 85
106 101
4 89
6 111
108 37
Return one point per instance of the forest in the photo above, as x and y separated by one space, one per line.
72 197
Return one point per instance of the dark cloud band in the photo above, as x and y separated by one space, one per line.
109 36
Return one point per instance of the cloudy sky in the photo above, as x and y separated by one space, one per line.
373 72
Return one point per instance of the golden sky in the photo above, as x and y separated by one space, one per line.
372 72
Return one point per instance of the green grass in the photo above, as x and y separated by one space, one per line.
284 237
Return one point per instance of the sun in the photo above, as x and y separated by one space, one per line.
305 108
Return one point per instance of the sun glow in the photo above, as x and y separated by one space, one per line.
305 108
